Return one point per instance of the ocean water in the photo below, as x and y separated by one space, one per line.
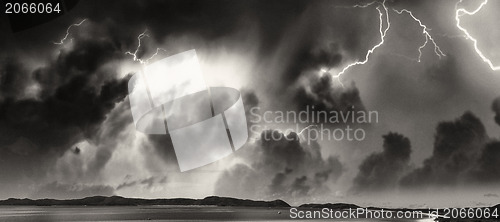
147 213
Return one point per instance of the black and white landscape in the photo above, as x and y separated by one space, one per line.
401 102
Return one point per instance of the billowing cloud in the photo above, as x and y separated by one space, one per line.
308 59
321 95
381 171
45 110
463 155
280 166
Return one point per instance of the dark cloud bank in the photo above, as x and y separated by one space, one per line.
75 97
463 156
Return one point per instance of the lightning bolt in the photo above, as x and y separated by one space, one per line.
384 21
365 5
134 54
67 32
426 33
382 31
459 12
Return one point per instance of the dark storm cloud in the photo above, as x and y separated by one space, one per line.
86 164
463 155
496 108
273 19
58 190
201 19
209 20
381 171
313 43
325 97
307 58
78 67
313 55
279 166
75 96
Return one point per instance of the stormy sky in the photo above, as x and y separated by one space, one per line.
66 129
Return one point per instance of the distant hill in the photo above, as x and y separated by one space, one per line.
122 201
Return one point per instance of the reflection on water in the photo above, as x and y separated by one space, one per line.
144 213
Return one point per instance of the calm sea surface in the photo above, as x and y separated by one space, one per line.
146 213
